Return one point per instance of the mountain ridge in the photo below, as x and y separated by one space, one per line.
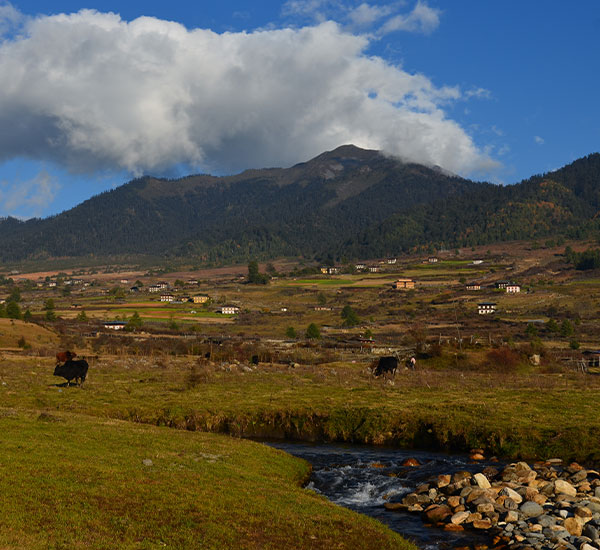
348 202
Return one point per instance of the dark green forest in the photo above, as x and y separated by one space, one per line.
348 203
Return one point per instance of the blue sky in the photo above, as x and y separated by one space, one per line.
90 99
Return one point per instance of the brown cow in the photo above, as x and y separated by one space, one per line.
64 356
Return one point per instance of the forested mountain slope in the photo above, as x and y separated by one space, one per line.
348 202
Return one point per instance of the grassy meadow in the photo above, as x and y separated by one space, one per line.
149 452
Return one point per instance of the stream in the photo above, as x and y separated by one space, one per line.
358 477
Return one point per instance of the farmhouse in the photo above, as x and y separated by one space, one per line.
228 310
200 298
484 308
115 325
432 260
360 267
502 284
391 261
513 288
403 284
473 286
374 269
167 297
154 288
330 270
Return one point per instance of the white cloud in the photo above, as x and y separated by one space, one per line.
539 140
10 18
31 197
367 14
478 93
91 91
421 19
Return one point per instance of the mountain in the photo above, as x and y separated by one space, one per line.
347 202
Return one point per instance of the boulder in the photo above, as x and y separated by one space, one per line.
512 494
573 526
437 513
531 509
562 487
482 524
459 517
482 481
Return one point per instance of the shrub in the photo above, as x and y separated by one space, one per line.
503 359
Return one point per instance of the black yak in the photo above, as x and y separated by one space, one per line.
385 364
72 370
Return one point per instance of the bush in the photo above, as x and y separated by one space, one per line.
313 332
503 359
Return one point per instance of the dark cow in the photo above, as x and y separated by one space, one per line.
385 365
76 370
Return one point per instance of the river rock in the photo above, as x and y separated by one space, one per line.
485 508
531 510
591 532
584 513
459 517
512 494
443 480
564 488
586 546
394 506
579 476
453 527
511 516
510 504
437 513
482 524
573 526
412 462
461 476
482 481
454 501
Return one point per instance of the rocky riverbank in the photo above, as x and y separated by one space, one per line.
543 507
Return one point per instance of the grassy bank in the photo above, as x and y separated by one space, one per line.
513 416
72 481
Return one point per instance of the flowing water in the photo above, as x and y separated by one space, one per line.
363 478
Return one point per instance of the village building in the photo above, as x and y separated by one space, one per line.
485 308
391 261
124 281
513 289
477 262
154 288
228 310
322 308
473 286
374 269
201 298
403 284
502 284
52 284
432 260
193 282
167 297
162 285
360 267
115 325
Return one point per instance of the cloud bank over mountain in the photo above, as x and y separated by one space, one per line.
91 91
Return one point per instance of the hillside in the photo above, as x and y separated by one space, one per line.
347 202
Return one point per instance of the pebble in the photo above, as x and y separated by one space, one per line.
544 507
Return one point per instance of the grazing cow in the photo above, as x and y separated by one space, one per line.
72 370
384 365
